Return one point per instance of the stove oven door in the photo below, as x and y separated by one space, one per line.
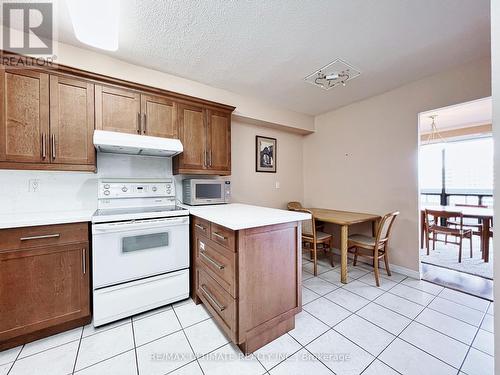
131 250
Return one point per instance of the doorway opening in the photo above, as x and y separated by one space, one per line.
456 196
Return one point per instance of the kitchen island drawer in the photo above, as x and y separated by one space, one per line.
218 302
201 226
223 236
218 262
43 235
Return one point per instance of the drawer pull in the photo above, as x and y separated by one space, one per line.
220 236
40 237
199 226
216 264
212 299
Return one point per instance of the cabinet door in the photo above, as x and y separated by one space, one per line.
219 140
117 110
158 116
43 287
193 135
71 121
24 116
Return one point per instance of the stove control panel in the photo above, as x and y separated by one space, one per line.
136 188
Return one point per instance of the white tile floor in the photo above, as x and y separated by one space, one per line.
402 327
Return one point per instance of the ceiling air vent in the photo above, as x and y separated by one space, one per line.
338 72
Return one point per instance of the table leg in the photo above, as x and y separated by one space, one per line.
343 254
485 235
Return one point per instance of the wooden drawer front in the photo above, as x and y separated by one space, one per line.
223 236
218 262
219 302
28 237
201 226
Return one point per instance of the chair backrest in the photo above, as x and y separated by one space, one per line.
385 226
308 226
441 214
294 206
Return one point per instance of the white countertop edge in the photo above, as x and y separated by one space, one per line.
237 216
44 218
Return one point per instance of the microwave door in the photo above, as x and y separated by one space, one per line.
209 192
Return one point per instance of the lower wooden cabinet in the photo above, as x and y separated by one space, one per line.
44 281
249 280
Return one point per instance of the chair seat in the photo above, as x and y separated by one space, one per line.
362 240
319 235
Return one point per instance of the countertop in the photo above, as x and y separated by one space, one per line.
44 218
238 216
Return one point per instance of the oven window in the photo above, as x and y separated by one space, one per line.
144 242
208 191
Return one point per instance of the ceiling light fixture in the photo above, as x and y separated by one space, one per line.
434 135
338 72
96 22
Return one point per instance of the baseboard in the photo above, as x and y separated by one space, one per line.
394 267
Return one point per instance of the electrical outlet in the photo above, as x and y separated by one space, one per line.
33 185
277 185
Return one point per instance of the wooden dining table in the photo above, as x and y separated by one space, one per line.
345 219
483 214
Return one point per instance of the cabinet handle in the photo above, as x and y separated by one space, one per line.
44 150
84 261
205 163
210 260
145 124
210 159
40 237
138 122
53 146
220 236
200 227
212 299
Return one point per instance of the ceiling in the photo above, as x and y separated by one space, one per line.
265 48
477 112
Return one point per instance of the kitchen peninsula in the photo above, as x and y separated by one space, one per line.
246 270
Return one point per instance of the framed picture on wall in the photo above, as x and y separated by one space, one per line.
265 154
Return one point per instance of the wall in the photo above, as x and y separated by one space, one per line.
249 186
495 57
364 156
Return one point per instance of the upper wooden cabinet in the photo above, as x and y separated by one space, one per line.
47 120
71 121
206 137
117 110
158 116
25 117
36 135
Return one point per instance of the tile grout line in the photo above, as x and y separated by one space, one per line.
135 348
472 342
15 360
77 351
189 343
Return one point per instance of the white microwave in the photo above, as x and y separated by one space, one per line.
197 192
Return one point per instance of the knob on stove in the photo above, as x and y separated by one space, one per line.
106 192
124 189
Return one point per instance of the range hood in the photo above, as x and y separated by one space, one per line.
132 144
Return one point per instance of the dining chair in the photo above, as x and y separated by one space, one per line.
433 228
374 247
474 224
313 237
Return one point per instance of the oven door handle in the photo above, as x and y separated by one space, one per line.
127 226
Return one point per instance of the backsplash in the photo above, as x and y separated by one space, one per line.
61 191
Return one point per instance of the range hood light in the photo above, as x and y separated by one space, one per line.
96 22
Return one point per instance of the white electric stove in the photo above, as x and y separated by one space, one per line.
140 241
